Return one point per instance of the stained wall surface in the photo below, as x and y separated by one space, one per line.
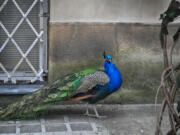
80 30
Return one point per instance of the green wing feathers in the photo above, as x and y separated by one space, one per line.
32 104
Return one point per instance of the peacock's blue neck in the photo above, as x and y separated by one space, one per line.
114 75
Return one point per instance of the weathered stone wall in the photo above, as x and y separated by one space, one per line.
135 49
80 30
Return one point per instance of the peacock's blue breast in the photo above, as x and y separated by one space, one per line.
114 75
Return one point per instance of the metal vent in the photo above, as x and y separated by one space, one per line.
23 47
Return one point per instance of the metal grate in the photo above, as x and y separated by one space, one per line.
22 45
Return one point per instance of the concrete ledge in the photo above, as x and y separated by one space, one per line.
108 107
19 89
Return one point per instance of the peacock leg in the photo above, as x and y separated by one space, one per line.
95 111
97 114
87 111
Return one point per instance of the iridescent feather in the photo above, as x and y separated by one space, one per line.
61 90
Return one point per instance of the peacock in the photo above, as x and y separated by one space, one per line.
90 86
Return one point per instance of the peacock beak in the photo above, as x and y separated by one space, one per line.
109 61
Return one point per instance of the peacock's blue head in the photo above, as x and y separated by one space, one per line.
109 59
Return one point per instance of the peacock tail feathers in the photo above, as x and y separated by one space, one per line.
60 90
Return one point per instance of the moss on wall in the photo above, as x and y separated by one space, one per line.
135 49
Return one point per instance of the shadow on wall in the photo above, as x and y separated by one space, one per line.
135 49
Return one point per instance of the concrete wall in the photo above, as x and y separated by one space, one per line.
80 30
143 11
135 49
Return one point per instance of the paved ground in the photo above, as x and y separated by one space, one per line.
67 120
63 125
